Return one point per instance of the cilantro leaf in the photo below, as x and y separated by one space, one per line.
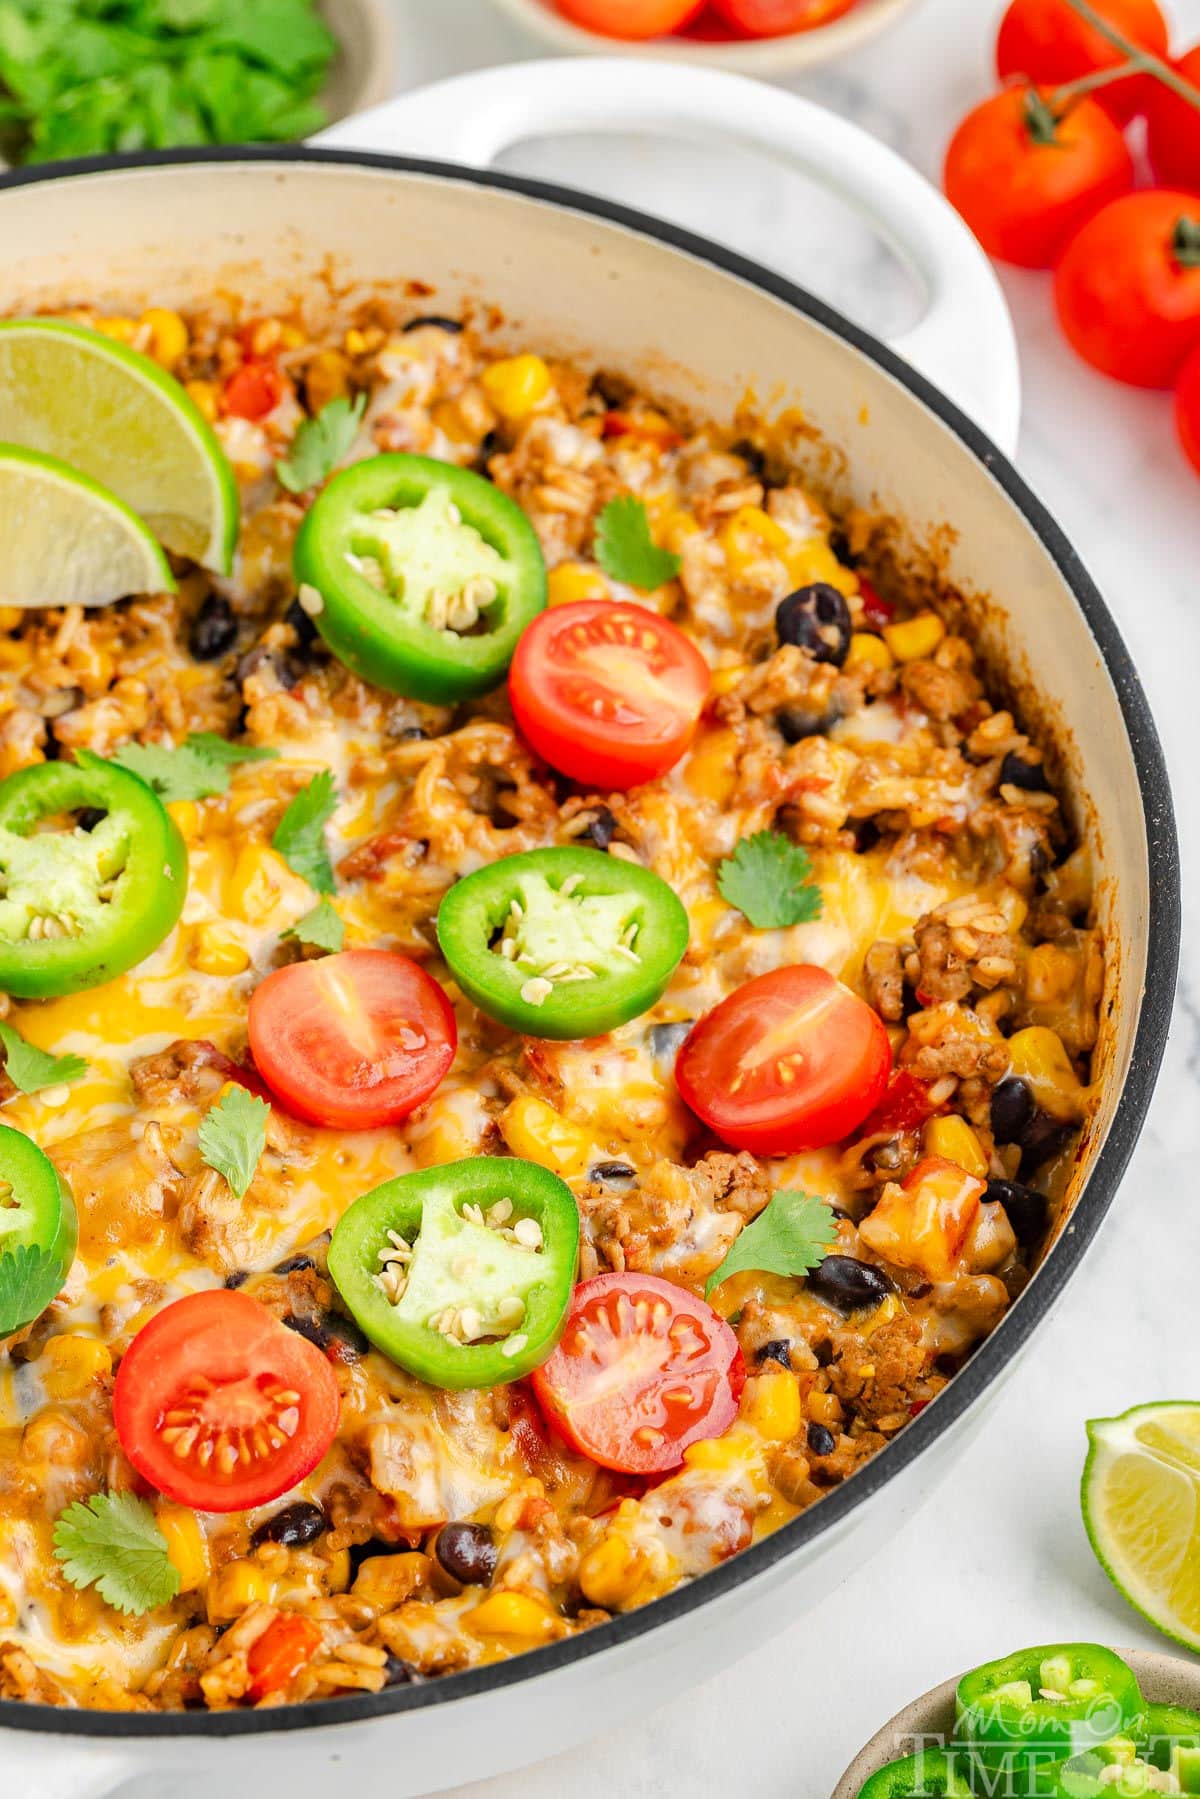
112 1541
625 549
200 767
792 1235
300 834
29 1279
233 1137
769 878
320 444
321 927
30 1069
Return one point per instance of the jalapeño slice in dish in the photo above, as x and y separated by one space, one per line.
426 575
1046 1704
1115 1770
930 1774
93 874
461 1274
36 1213
562 943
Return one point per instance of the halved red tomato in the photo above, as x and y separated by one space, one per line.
630 18
793 1060
354 1041
776 18
642 1369
254 391
607 693
221 1407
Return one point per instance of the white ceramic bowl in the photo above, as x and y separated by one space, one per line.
762 56
1164 1680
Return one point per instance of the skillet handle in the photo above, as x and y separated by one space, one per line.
964 343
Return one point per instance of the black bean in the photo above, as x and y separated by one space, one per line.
614 389
1016 772
839 543
302 624
795 723
337 1336
1042 1139
488 447
612 1174
254 659
238 1278
847 1283
777 1350
214 629
412 734
1012 1110
1026 1209
821 1439
294 1265
454 326
824 1353
400 1674
365 1552
817 619
294 1526
467 1552
602 827
666 1040
866 835
88 817
754 458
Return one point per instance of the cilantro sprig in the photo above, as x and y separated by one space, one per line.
625 549
792 1235
30 1278
233 1137
300 834
769 878
197 769
30 1069
112 1542
320 444
321 928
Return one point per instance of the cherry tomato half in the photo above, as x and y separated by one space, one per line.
1047 41
1173 129
776 18
642 1369
354 1041
1025 181
607 693
793 1060
630 18
1128 287
253 391
1187 409
221 1407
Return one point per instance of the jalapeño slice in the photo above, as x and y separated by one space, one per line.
93 874
461 1274
562 943
38 1231
426 575
930 1774
1046 1704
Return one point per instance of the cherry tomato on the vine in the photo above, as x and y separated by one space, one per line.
1047 41
1173 128
1128 287
630 18
778 18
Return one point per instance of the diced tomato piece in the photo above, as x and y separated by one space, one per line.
904 1107
924 1222
284 1650
253 391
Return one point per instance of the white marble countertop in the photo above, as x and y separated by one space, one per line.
999 1556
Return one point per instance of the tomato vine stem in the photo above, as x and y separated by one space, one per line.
1139 61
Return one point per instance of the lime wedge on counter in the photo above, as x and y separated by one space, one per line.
67 541
114 414
1141 1507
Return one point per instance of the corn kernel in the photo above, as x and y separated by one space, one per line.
236 1587
711 771
10 617
572 581
1039 1058
953 1140
123 330
515 1615
187 1547
674 528
914 638
448 1130
537 1133
186 814
825 1408
215 951
71 1363
326 378
772 1405
291 337
263 890
1051 974
867 651
518 386
339 1572
387 1581
610 1574
815 561
726 679
750 535
203 395
718 1455
448 417
168 336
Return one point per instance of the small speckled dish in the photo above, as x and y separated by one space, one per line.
760 56
1164 1680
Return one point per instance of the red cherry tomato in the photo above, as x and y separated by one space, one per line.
630 18
1187 408
607 693
1173 129
1025 181
253 391
643 1368
777 18
1047 41
353 1041
220 1406
284 1650
1128 287
793 1060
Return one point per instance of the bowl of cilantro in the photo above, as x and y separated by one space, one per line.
78 79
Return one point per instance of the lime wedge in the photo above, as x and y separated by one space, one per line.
1141 1507
80 396
67 541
